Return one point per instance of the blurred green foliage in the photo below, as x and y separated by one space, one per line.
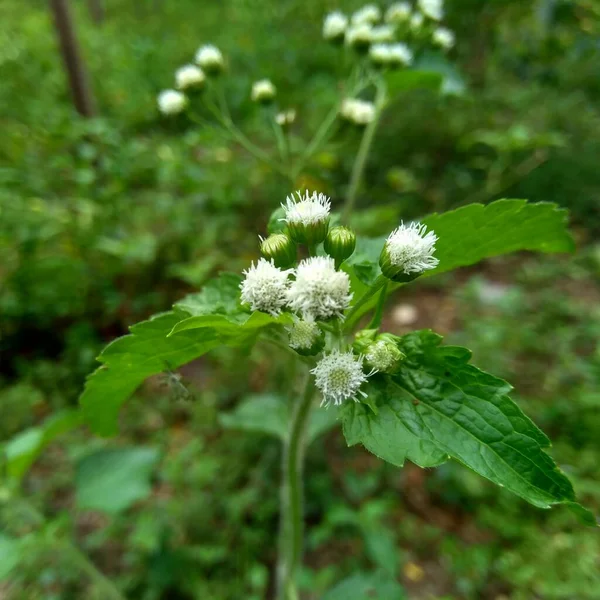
105 221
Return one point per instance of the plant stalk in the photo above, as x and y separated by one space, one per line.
291 533
363 153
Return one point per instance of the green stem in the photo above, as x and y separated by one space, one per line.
363 153
353 315
378 316
292 515
83 563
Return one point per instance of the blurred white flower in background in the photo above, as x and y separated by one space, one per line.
434 9
359 112
444 38
416 21
398 13
382 33
359 36
335 25
189 76
171 102
286 117
400 54
209 57
370 13
263 91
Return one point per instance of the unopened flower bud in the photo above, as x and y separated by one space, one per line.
209 57
340 244
263 91
189 76
334 26
285 118
383 355
307 217
279 248
408 252
171 102
306 338
363 339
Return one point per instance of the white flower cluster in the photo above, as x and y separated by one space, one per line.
359 112
398 13
411 248
285 118
335 25
434 9
302 334
209 60
444 37
318 291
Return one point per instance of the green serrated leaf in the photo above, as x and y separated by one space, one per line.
221 296
384 434
375 586
474 232
231 324
23 450
112 480
129 360
468 235
10 555
270 414
468 414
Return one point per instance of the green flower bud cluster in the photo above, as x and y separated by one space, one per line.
380 351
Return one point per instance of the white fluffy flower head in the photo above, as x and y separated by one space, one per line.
398 13
359 35
400 54
319 291
411 248
265 287
380 54
189 76
443 37
339 376
383 33
303 334
335 25
263 90
307 210
434 9
171 102
370 13
359 112
209 57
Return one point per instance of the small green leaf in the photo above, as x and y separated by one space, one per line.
384 434
270 414
404 80
129 360
23 450
10 555
221 296
467 414
112 480
451 80
360 586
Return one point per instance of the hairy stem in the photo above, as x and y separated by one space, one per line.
363 153
291 533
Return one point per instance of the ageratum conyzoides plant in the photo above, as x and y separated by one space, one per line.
317 293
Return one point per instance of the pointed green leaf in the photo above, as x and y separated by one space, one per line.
10 555
231 324
468 235
468 414
23 450
111 480
360 586
221 296
129 360
384 434
270 414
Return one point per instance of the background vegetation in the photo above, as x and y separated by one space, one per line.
104 221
